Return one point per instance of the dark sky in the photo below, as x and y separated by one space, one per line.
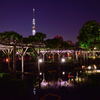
62 17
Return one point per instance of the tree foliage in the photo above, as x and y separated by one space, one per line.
57 43
89 36
10 36
37 38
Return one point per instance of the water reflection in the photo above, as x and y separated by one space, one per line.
80 77
56 84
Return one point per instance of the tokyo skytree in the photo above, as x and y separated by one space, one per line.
33 23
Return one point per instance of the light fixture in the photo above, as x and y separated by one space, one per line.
40 60
63 60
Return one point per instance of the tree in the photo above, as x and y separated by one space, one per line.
26 40
37 38
54 43
10 37
89 35
68 45
58 43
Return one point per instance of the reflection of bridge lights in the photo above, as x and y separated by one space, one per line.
95 48
63 73
40 73
63 60
89 67
95 67
53 84
44 83
94 57
83 67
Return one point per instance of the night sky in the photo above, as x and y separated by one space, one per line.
62 17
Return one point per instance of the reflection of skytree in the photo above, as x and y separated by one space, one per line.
33 23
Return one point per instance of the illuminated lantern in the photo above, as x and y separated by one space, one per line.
49 57
7 60
40 60
79 53
63 60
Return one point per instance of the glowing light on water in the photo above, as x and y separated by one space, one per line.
44 83
63 73
95 48
94 57
52 84
95 67
89 67
98 71
40 73
83 67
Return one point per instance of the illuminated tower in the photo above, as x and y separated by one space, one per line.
33 23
